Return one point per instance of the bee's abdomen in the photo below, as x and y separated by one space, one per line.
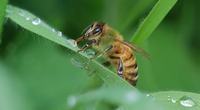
130 69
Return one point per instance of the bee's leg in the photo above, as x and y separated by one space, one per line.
120 68
86 46
78 40
102 53
106 63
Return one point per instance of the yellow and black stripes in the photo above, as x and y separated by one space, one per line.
122 57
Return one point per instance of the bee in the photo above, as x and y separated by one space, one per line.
110 44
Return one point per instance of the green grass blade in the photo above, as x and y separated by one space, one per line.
3 4
169 100
135 12
176 100
117 97
152 21
32 23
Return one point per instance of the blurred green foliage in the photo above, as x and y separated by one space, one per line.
37 74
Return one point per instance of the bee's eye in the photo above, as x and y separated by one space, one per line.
97 30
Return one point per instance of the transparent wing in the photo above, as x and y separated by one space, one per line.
137 49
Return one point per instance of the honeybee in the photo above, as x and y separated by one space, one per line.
110 44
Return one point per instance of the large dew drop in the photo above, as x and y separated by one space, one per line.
36 21
187 101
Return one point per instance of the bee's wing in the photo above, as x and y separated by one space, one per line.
137 49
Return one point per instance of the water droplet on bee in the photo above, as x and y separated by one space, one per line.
36 21
71 101
187 101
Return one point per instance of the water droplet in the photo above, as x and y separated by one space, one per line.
71 101
187 101
28 18
91 53
36 21
173 100
169 98
72 42
53 30
59 33
148 95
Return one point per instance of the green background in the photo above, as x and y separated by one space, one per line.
36 74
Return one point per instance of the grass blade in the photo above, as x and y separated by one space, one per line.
3 4
177 100
135 12
152 21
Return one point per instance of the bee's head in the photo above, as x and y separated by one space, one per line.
93 32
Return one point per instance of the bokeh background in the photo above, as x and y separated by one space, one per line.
36 74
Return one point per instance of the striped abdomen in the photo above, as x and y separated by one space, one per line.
123 59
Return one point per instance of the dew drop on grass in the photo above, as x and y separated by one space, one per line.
59 33
148 95
36 21
28 18
71 101
173 100
169 98
90 53
72 42
53 30
187 101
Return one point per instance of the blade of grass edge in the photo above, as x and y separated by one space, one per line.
156 15
2 15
